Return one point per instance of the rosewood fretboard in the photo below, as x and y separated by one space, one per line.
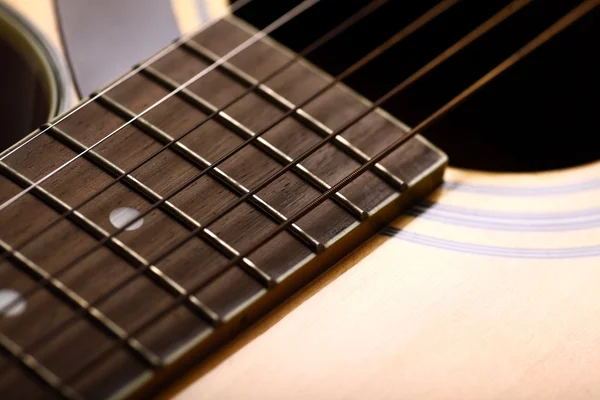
62 341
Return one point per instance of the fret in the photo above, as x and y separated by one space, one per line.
92 277
37 160
216 173
232 303
37 311
36 369
114 244
261 143
249 165
127 149
135 183
37 150
21 219
186 267
58 246
228 33
166 206
126 321
76 344
129 307
333 108
16 382
254 165
302 116
189 266
114 378
80 304
178 330
290 136
298 82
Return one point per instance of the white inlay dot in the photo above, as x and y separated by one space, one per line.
12 303
121 216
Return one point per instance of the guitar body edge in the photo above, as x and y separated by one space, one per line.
487 290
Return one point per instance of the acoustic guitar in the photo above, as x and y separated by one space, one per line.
307 199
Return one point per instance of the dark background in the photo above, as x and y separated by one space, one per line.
539 115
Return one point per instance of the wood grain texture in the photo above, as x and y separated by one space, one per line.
234 290
406 319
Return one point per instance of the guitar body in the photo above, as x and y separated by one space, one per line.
487 290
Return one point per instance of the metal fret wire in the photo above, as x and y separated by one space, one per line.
377 158
195 159
546 35
74 300
411 28
22 357
532 45
166 50
419 22
243 132
477 32
35 368
356 17
167 207
305 5
283 104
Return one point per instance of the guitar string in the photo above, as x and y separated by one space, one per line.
528 48
79 312
155 57
467 39
477 32
352 20
514 58
288 16
377 51
356 17
432 13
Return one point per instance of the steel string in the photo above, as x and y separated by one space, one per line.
306 4
166 50
330 35
528 48
503 14
438 9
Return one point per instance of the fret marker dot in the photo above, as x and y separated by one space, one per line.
121 216
11 303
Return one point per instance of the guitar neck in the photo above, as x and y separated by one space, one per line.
123 239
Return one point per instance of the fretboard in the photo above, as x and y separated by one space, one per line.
67 337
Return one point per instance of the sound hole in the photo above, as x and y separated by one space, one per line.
23 103
539 115
30 89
